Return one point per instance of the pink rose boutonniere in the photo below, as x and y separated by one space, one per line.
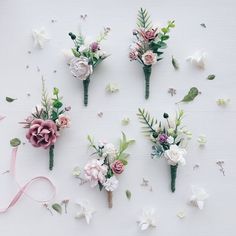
86 57
45 123
148 44
109 163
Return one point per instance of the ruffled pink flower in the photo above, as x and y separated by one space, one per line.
133 55
42 133
95 172
117 167
63 121
149 34
149 58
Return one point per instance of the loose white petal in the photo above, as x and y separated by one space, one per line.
198 59
199 195
147 219
86 211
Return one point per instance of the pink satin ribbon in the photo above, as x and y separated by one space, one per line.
23 189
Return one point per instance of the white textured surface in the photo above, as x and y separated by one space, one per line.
18 18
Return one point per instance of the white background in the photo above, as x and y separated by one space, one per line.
203 116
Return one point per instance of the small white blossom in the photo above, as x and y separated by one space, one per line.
147 219
175 155
170 140
40 37
198 59
112 88
222 101
111 184
86 211
199 195
202 140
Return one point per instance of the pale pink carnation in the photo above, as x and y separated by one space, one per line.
95 172
149 58
63 121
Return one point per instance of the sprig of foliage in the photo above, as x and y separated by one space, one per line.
103 35
45 101
123 145
92 144
56 105
143 20
147 121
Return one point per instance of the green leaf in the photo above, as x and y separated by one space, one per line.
175 63
164 37
165 30
8 99
148 121
75 52
15 142
57 104
193 92
57 207
128 194
211 77
143 20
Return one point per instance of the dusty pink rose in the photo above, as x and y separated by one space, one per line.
42 133
149 58
149 34
133 55
117 167
63 121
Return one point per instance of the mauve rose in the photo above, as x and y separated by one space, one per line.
117 167
42 133
94 46
149 58
150 34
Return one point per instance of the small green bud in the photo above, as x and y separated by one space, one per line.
55 91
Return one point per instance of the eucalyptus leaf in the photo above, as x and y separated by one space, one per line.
57 207
128 194
211 77
175 63
192 94
15 142
8 99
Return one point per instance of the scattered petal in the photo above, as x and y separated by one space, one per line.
221 165
223 102
181 214
112 88
76 171
198 59
145 182
202 140
147 219
199 195
125 121
203 25
86 211
40 37
100 114
172 91
196 166
15 142
2 117
57 207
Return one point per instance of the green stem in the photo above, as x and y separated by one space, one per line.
86 85
51 157
173 172
147 73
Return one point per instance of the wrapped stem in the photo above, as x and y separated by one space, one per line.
86 85
109 198
51 157
147 73
173 173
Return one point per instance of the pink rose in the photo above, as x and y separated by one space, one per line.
149 58
42 133
117 167
63 121
149 34
133 55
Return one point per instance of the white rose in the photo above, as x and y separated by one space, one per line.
170 140
80 68
174 155
111 184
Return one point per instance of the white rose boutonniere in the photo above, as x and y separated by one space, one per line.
175 155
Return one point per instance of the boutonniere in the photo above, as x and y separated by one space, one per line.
86 57
148 44
107 165
46 121
168 138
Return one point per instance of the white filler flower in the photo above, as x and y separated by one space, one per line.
198 59
40 37
86 211
147 219
199 195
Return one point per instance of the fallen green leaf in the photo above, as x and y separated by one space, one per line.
15 142
193 92
211 77
8 99
128 194
57 208
175 63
